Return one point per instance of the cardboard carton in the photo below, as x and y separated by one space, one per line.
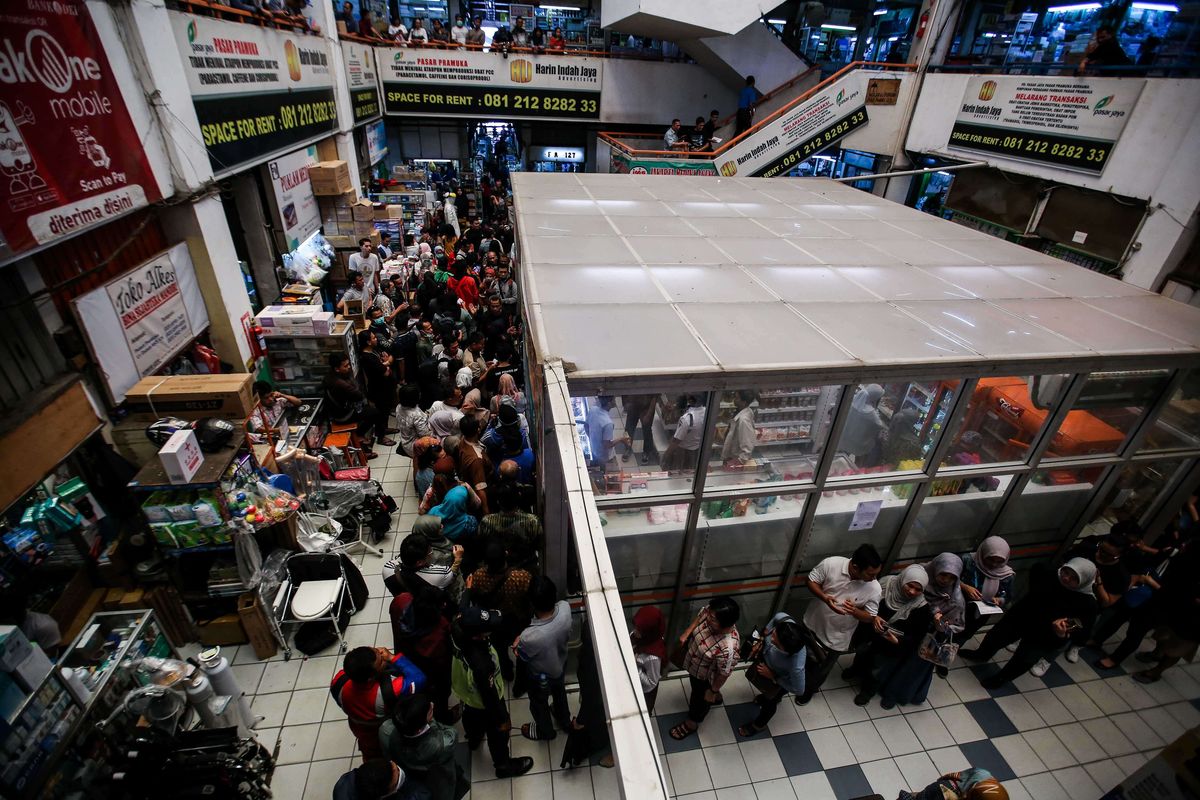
322 323
395 212
330 177
191 397
180 456
363 211
286 320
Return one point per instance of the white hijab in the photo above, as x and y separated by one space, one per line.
893 591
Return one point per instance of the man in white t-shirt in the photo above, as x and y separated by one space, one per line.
683 451
367 263
845 593
458 34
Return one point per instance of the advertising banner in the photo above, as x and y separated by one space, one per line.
138 322
627 165
473 84
801 132
1068 122
257 91
377 148
291 192
359 60
69 151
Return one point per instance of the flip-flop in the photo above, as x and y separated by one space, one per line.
1111 665
681 732
748 730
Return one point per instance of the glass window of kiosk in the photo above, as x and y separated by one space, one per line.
890 427
1004 418
644 545
1178 425
1052 499
754 609
955 516
1106 411
638 444
1138 493
770 434
845 519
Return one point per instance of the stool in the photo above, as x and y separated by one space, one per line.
345 436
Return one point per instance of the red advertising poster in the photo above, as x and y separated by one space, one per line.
69 153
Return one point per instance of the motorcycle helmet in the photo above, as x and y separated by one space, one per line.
214 434
160 430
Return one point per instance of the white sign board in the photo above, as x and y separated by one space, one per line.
474 84
359 62
291 192
865 515
1067 122
138 322
801 132
573 155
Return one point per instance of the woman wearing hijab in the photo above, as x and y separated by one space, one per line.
904 616
908 683
864 429
1059 602
425 451
507 387
649 650
458 523
987 578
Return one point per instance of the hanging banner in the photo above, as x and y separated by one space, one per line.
69 151
1068 122
257 91
295 206
377 148
468 83
801 132
138 322
633 165
359 60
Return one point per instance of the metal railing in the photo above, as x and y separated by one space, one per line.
1180 69
613 138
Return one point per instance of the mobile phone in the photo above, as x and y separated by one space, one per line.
1073 625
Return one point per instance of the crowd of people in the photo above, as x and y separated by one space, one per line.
906 629
464 34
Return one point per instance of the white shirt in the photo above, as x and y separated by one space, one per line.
459 34
690 428
369 267
742 436
418 33
833 576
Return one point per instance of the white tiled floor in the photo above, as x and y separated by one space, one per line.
1069 736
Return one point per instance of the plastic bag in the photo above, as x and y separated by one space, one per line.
271 575
317 532
338 498
315 276
248 555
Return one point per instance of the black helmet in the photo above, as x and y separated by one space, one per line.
163 429
214 434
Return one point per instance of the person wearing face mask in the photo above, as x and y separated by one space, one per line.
904 616
458 34
1059 602
908 682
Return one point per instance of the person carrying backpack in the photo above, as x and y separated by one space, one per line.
366 688
475 677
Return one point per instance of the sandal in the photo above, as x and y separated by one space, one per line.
682 731
749 729
1110 665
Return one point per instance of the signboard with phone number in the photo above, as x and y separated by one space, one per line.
494 101
816 143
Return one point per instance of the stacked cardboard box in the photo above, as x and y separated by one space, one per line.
330 178
288 320
191 397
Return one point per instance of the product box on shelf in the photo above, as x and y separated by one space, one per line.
181 456
363 211
14 647
191 397
323 322
30 672
286 320
330 177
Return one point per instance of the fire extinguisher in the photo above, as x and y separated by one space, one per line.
260 341
922 25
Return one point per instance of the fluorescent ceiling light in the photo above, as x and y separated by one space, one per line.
879 12
829 27
1076 7
1157 7
777 22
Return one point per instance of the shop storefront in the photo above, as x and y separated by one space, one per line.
1150 33
554 159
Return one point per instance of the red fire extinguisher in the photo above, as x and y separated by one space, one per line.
922 25
260 341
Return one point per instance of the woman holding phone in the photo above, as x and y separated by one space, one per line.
1059 603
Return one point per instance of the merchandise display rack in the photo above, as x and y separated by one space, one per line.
299 362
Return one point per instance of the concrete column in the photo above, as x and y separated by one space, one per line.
202 225
260 245
939 33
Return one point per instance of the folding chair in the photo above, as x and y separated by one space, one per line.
315 589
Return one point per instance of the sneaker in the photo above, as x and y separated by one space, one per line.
1073 654
1040 668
